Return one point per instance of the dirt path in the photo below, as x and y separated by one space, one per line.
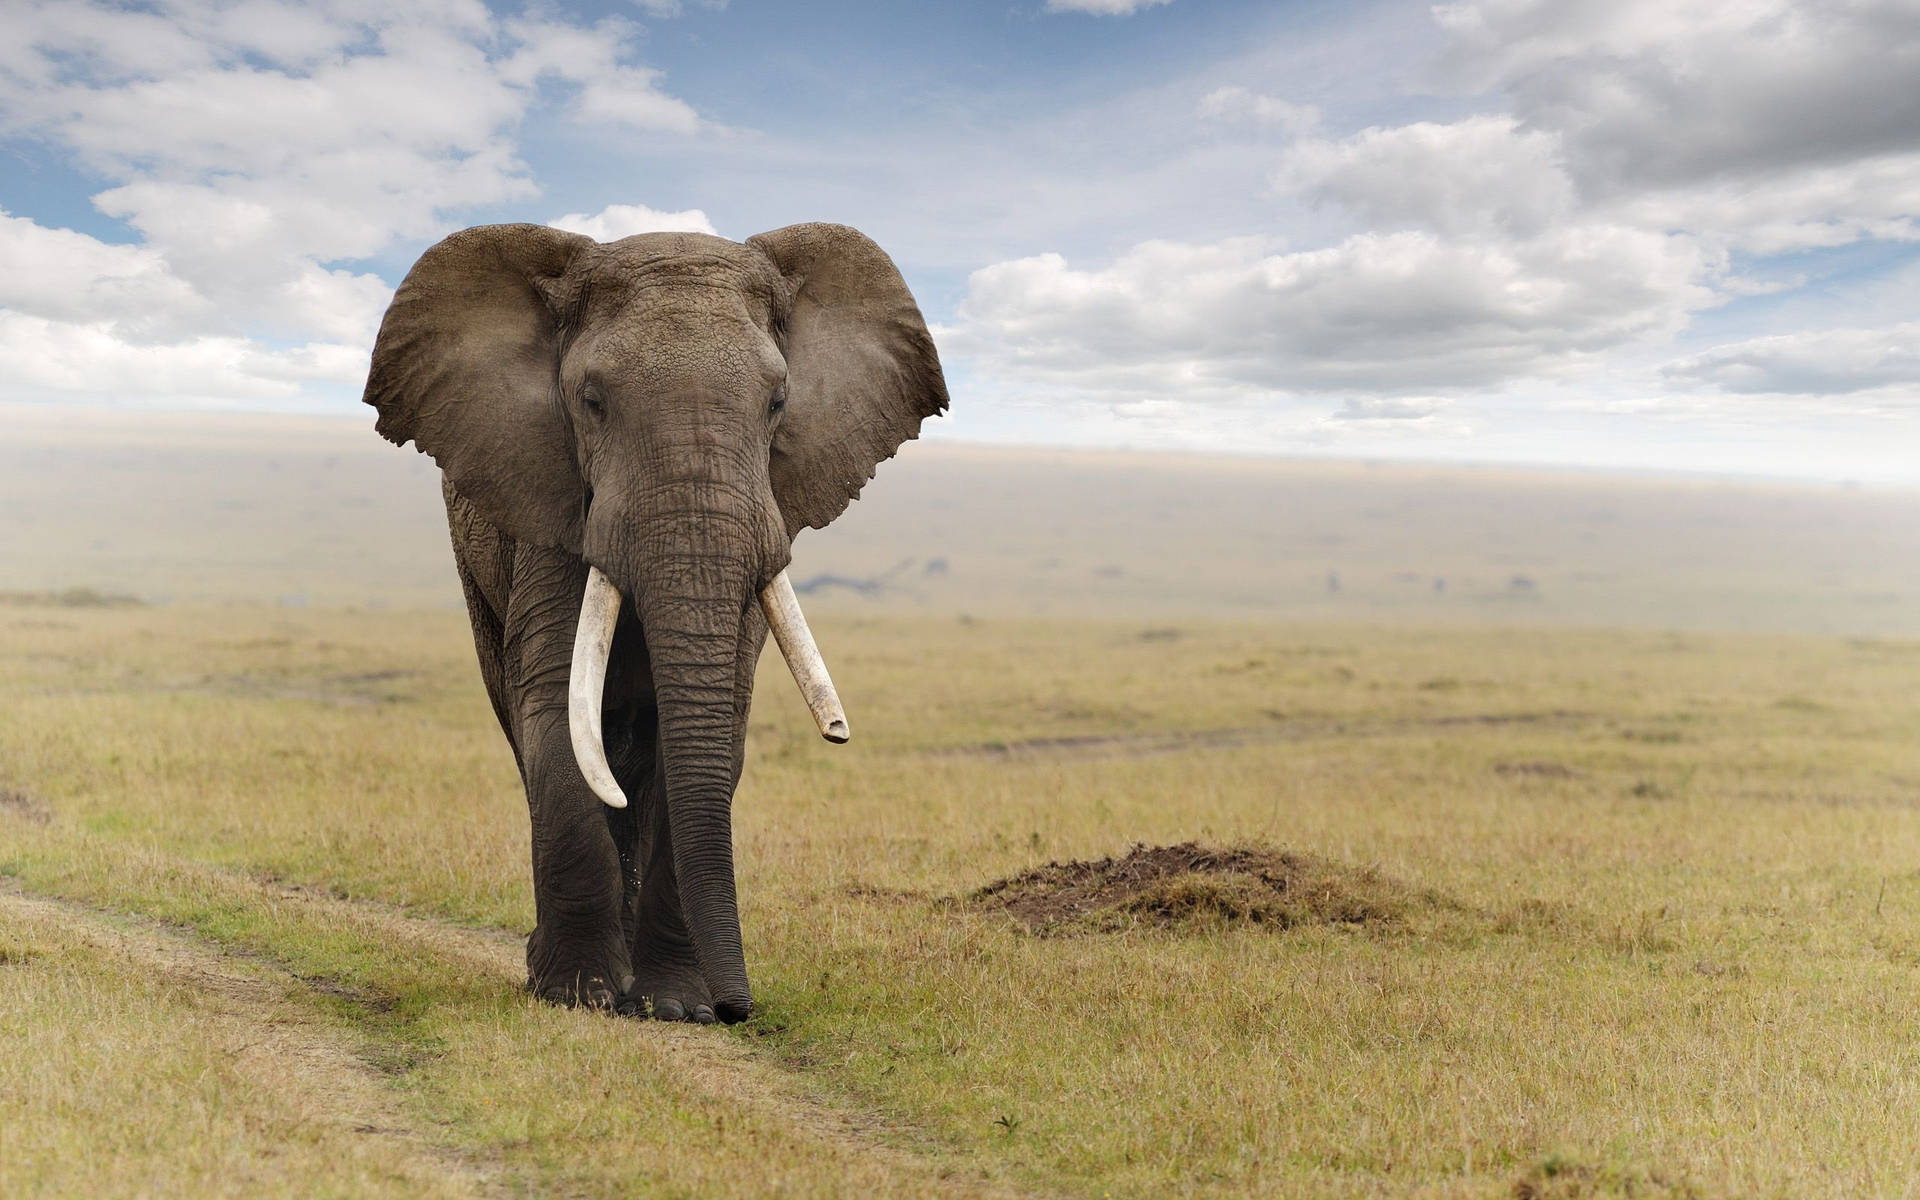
706 1059
246 996
245 1006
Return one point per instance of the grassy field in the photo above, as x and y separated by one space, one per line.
1607 913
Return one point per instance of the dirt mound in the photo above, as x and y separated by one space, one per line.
1190 886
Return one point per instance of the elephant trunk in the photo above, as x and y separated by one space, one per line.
695 645
692 596
693 639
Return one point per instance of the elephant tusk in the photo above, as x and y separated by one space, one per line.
803 657
592 643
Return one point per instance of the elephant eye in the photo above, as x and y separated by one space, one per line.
593 401
778 402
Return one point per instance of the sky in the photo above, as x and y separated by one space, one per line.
1653 234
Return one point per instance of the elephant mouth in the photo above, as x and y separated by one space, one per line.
593 643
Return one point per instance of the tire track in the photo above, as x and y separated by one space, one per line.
246 991
710 1062
245 1005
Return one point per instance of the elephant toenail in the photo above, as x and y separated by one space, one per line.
669 1009
703 1015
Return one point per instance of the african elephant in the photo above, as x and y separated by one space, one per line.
630 434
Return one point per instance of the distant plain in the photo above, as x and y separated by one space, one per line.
302 510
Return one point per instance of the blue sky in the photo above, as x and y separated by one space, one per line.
1674 234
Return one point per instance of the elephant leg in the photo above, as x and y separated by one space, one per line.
577 952
667 983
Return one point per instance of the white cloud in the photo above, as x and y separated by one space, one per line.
617 221
609 91
1472 176
1490 172
1537 242
1766 125
257 146
1103 8
1824 362
1396 312
60 275
672 8
41 358
628 96
1648 152
1670 90
1238 103
1805 208
1390 408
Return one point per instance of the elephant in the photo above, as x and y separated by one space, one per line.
630 435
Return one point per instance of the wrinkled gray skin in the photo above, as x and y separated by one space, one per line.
672 409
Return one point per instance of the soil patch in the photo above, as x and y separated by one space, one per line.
1195 887
1114 745
1287 727
74 597
1541 769
24 805
1558 1179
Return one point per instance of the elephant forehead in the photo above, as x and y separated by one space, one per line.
679 290
668 259
669 244
659 333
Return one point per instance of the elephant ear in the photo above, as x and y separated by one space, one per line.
464 366
862 372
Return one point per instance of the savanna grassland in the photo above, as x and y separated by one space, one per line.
1643 916
1552 911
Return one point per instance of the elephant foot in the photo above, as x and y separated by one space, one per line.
667 982
576 976
666 991
591 991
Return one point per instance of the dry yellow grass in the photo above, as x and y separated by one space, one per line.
1672 944
139 1063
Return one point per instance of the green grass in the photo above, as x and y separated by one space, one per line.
1664 934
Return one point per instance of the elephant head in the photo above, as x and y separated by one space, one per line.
672 408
